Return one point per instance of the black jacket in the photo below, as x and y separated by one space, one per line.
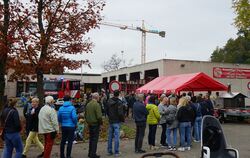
12 124
186 114
140 112
115 110
207 108
33 120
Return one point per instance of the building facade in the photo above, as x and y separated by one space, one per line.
89 83
131 78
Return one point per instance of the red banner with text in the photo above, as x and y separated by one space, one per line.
233 73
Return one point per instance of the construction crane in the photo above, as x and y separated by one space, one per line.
143 30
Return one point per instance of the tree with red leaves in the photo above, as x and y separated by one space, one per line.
53 29
9 23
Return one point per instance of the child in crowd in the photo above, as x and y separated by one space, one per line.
79 130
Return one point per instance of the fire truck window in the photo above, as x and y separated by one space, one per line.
50 86
59 85
74 85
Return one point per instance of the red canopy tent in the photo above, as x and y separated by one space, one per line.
184 82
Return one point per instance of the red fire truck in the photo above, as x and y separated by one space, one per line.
59 88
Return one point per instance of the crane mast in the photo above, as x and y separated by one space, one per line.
143 30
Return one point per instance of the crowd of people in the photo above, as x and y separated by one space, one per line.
173 114
177 115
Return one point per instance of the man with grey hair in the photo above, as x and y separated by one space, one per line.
48 125
93 115
140 116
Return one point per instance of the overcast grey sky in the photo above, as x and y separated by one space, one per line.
193 30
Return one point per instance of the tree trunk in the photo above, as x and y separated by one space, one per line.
5 51
2 81
40 91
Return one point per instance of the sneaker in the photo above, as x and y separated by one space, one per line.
181 149
188 148
155 147
109 154
74 142
170 148
140 151
196 141
173 148
118 154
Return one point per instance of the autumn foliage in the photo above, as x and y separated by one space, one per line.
48 32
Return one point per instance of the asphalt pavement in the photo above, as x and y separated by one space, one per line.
237 135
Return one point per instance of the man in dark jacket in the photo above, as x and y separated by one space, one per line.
140 115
93 117
207 106
131 100
116 116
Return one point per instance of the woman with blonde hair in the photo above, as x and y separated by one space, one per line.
32 119
185 116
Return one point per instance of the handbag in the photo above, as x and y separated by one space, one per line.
2 129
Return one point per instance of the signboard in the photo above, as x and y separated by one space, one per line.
232 73
114 85
248 85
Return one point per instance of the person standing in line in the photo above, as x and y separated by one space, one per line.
12 127
172 124
185 116
26 113
124 102
131 100
198 119
116 116
162 107
152 120
67 117
48 125
93 115
181 100
208 106
140 116
33 128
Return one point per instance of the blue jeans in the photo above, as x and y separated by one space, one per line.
185 133
174 138
12 140
114 131
197 128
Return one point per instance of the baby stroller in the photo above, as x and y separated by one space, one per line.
213 142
